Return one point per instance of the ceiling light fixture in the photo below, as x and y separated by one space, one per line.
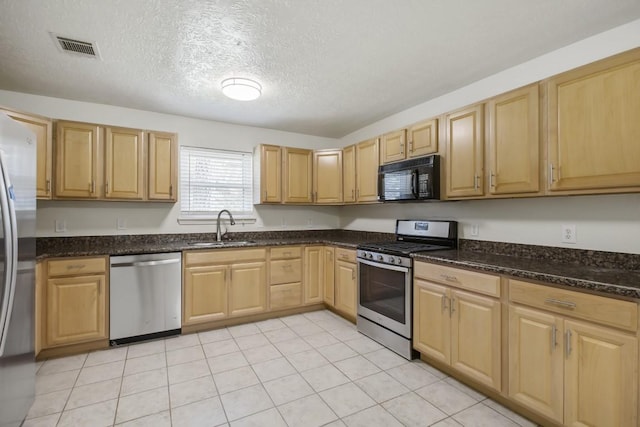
241 89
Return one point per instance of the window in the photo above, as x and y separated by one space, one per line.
212 180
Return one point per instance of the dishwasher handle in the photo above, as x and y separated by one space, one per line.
146 263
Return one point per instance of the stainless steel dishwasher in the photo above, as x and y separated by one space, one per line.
145 296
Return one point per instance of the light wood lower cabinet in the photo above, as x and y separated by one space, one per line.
346 283
576 373
456 327
76 301
286 277
223 283
329 275
313 274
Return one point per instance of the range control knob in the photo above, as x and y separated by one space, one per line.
391 260
380 258
398 260
369 255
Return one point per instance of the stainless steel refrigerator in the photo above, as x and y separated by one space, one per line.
17 277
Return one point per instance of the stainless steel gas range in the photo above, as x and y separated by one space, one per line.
385 280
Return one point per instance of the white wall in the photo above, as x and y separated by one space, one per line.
100 218
609 223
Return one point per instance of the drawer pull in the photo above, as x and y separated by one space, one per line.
287 253
449 278
344 256
75 266
560 303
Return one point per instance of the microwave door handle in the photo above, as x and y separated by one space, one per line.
414 183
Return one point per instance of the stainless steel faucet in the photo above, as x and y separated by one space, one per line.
233 222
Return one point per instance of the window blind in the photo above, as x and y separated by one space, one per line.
212 180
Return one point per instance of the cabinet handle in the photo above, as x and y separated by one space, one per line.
48 186
265 194
288 253
315 196
357 193
106 187
449 278
567 337
411 146
491 178
476 179
564 304
401 148
444 302
353 275
92 187
551 179
75 266
452 308
352 195
554 337
171 191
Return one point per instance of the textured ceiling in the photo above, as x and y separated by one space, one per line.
327 67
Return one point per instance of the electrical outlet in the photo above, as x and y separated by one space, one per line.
121 224
475 229
569 233
60 226
309 223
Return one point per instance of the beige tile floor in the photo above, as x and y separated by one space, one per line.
308 370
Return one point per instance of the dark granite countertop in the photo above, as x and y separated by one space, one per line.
617 281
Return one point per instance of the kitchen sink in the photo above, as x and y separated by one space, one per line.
221 244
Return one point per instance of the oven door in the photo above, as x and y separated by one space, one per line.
384 295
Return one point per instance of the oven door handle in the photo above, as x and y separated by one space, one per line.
385 266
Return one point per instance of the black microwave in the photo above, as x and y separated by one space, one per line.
414 179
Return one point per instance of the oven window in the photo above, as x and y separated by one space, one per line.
383 291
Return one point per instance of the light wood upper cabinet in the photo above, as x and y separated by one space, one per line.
513 164
313 274
76 301
205 294
349 174
162 167
329 274
465 157
367 163
268 178
593 126
77 160
392 146
327 176
422 138
124 164
297 176
42 128
247 288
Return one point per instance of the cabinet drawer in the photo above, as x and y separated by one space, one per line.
608 311
76 266
348 255
283 296
478 282
223 256
285 271
286 252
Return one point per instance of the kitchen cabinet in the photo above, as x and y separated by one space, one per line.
297 176
346 282
349 174
267 164
367 162
392 146
78 162
76 301
162 167
513 162
457 320
464 136
593 127
124 167
313 274
285 277
223 283
43 129
327 177
556 361
329 274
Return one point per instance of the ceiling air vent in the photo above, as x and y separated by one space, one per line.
77 47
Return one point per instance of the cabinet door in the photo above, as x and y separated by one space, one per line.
465 145
313 274
346 288
270 174
349 174
298 184
205 294
42 128
514 142
594 126
124 170
76 309
367 162
475 337
248 288
431 320
162 167
392 146
601 376
76 151
422 138
329 274
327 177
536 363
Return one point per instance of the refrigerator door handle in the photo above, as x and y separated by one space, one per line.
11 243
